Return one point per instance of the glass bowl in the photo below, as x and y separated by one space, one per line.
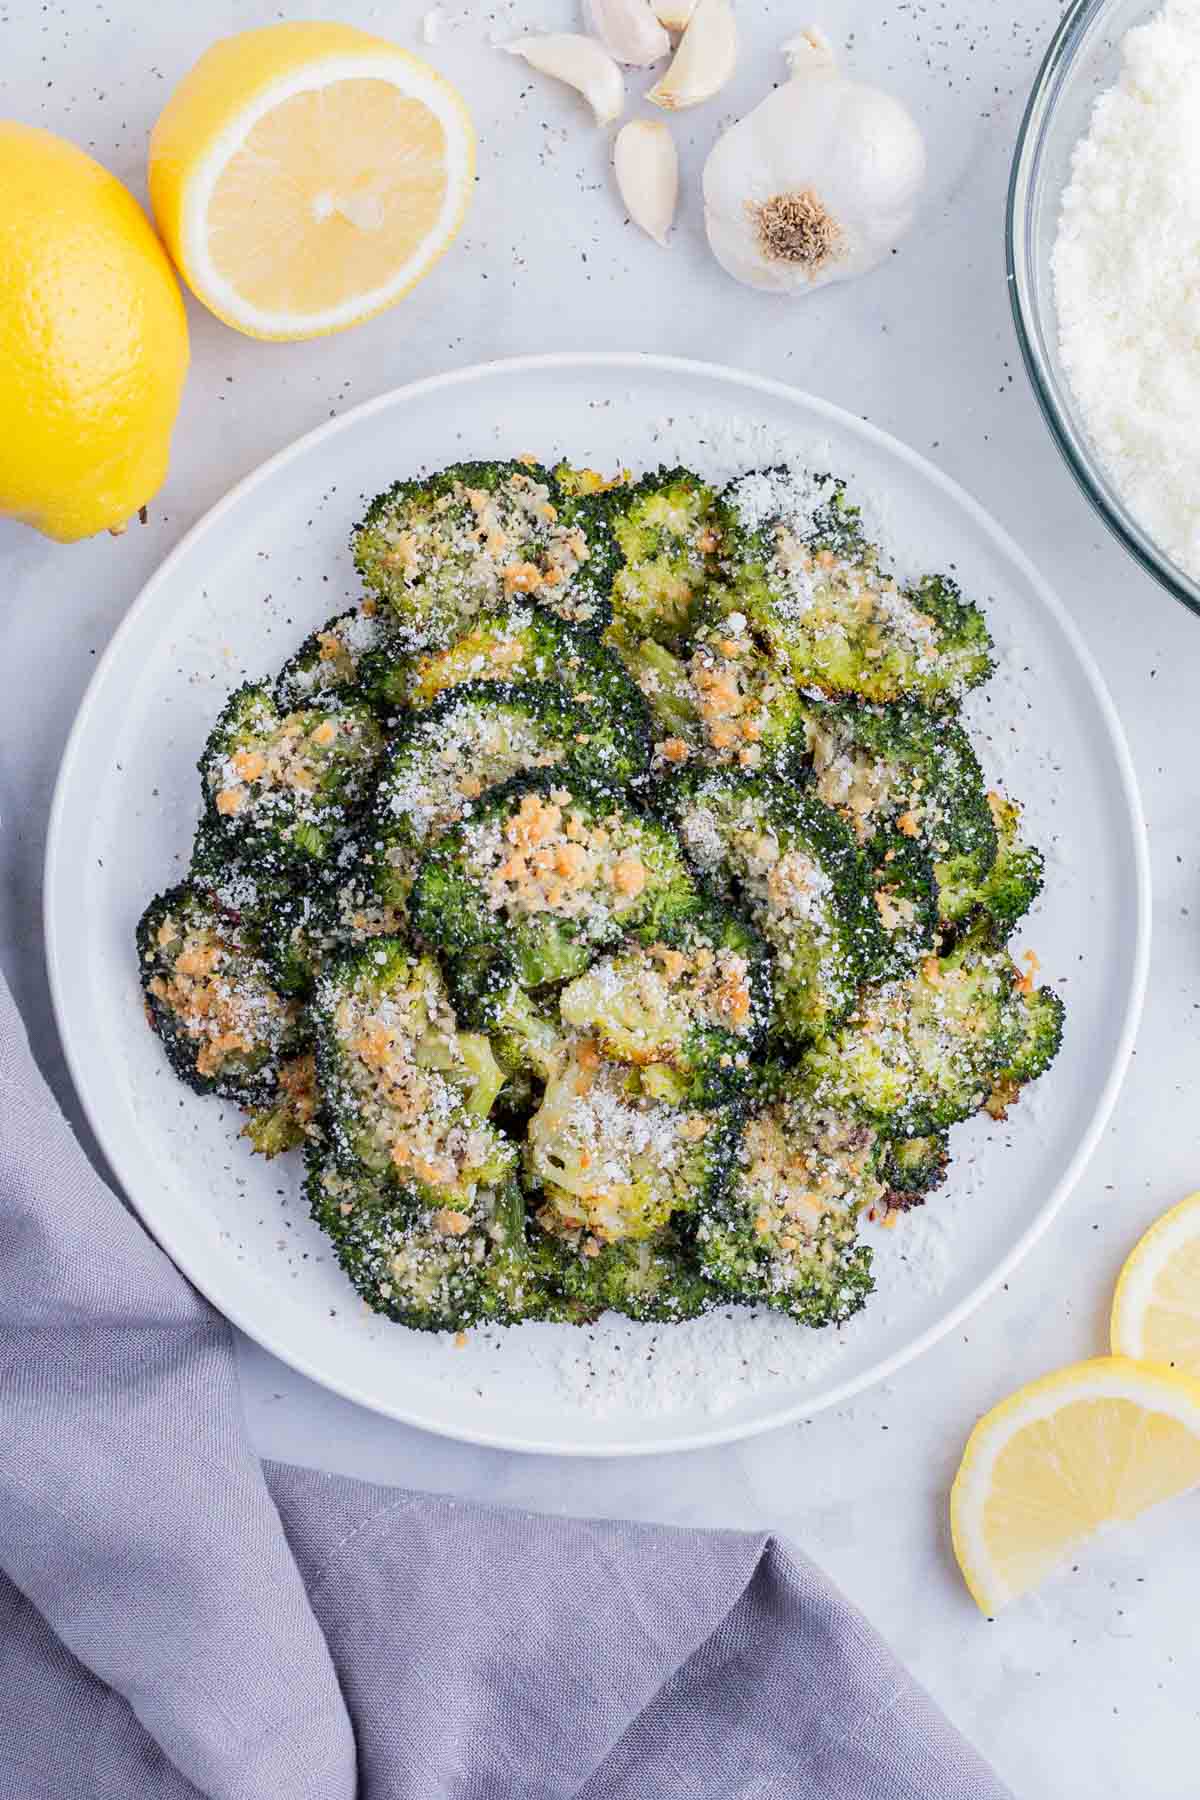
1083 59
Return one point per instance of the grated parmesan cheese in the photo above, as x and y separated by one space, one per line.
1124 267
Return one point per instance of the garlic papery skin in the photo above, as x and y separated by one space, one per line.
579 61
675 14
818 183
647 169
629 31
704 61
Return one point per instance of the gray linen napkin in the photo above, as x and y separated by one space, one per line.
178 1620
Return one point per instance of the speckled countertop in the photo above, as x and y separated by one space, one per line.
1090 1687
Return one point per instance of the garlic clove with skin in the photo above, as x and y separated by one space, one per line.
675 14
579 61
647 170
629 31
818 183
704 61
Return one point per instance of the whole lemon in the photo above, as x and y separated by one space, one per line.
93 341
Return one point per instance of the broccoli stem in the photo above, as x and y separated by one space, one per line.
489 1076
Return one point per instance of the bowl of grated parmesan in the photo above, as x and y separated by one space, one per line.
1103 240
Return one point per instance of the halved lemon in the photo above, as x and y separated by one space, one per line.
1156 1308
305 176
1094 1444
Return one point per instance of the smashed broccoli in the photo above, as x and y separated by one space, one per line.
1016 877
473 739
420 1267
1042 1017
920 1054
280 786
696 1003
796 868
665 529
783 1230
524 645
611 1159
720 702
209 997
911 1167
815 595
654 1279
900 771
542 877
610 906
439 553
405 1092
328 662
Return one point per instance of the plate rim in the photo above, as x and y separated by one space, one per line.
258 1329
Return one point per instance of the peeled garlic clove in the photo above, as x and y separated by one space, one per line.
647 171
579 61
675 14
629 31
704 61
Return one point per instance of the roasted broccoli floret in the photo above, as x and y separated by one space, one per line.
298 934
281 788
1042 1016
911 1167
289 1120
800 874
328 661
405 1093
783 1230
903 770
719 702
696 1003
290 912
209 997
665 527
539 879
474 739
818 600
300 916
921 1053
527 1035
654 1279
441 552
612 1160
233 878
905 890
572 480
524 645
1016 877
416 1264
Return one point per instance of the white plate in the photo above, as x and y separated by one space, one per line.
270 562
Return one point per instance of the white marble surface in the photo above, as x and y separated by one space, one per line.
1090 1687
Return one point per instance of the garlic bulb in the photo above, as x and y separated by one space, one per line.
579 61
647 170
704 61
629 30
816 184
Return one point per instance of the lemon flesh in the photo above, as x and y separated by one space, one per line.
1094 1444
306 176
93 341
1156 1308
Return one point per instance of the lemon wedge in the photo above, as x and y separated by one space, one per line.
1156 1308
305 176
1093 1445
